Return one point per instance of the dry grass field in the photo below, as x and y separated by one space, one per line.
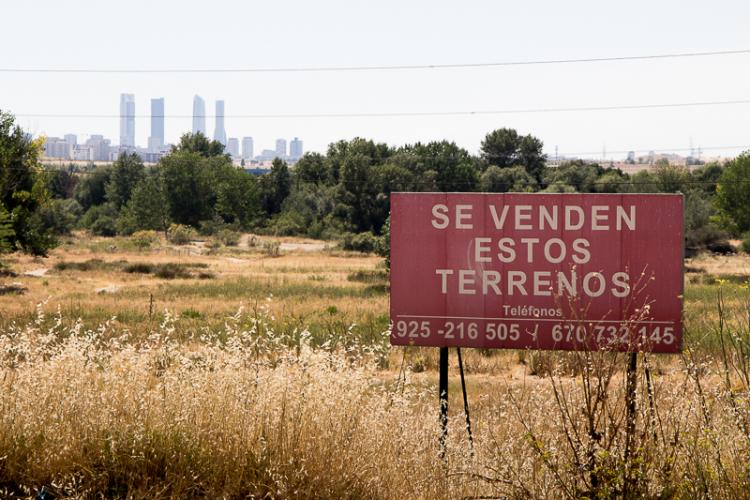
233 372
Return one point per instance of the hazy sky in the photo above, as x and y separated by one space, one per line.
223 34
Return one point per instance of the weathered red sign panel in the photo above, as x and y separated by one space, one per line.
537 271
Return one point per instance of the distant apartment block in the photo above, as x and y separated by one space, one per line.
71 139
267 155
199 115
127 120
247 148
54 147
233 147
82 153
295 149
281 148
100 147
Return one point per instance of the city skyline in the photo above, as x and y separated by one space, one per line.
97 148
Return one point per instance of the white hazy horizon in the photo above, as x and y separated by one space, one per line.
224 34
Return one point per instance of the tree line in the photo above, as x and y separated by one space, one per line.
342 194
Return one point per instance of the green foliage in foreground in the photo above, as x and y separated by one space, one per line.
733 194
23 191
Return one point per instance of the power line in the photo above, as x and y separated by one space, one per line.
663 150
311 69
415 113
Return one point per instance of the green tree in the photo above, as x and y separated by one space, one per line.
451 167
707 177
733 195
670 178
642 182
307 210
7 234
356 193
187 184
580 175
313 168
383 247
387 179
61 183
502 180
60 216
275 186
22 189
127 172
505 148
91 190
611 181
101 220
237 196
200 144
339 151
148 207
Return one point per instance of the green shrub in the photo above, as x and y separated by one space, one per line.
144 239
211 227
139 268
87 265
60 216
288 224
706 236
228 237
96 212
361 242
181 235
383 247
745 244
171 270
191 314
104 226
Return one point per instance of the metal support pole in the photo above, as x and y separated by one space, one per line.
466 399
443 390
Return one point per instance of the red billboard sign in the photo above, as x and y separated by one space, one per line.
537 271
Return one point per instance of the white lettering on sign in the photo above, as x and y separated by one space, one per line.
534 250
440 218
463 212
526 218
537 283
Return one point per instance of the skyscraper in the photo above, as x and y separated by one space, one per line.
199 115
281 148
295 149
219 133
233 147
127 120
247 148
156 140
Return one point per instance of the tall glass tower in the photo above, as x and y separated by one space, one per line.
127 120
219 133
156 141
199 115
